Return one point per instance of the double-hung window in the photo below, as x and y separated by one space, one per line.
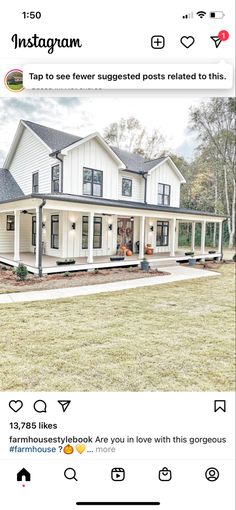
163 194
55 231
33 230
97 232
35 182
55 183
126 187
92 182
162 233
10 222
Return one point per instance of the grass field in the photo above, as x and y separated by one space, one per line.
15 86
177 337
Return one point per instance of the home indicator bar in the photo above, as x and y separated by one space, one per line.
121 503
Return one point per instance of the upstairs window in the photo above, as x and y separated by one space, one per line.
55 186
92 182
162 235
126 187
10 222
35 182
163 194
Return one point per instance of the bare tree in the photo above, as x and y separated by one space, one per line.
130 135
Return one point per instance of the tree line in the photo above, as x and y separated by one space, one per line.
210 176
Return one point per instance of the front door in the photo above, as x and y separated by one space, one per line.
125 232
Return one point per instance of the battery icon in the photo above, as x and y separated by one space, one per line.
217 14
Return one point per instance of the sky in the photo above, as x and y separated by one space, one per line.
85 115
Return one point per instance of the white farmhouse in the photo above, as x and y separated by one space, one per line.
71 203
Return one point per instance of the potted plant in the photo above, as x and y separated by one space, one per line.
192 260
144 264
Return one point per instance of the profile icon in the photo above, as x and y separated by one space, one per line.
14 80
212 474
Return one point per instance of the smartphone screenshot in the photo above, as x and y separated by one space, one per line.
117 255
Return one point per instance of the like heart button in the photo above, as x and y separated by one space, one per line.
15 405
187 41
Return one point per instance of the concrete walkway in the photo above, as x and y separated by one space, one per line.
177 274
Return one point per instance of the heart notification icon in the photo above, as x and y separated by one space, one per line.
15 405
187 41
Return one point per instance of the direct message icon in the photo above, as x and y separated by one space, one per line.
165 475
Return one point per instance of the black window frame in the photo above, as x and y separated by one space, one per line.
54 221
162 195
97 220
131 187
92 182
35 187
34 231
162 239
10 223
57 180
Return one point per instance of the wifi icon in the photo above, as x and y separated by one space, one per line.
201 14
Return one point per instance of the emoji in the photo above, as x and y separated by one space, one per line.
80 448
68 449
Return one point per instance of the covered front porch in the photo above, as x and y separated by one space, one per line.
56 236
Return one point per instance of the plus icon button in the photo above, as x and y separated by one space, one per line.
158 42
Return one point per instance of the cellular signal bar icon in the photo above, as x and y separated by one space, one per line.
188 16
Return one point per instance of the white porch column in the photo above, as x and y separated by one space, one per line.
17 236
141 236
177 235
203 236
90 237
220 237
193 236
172 241
37 255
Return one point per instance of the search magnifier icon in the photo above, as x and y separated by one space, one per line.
70 474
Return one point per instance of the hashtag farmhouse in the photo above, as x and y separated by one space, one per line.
40 42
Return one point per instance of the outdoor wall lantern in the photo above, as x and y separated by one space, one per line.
132 218
110 226
73 225
43 225
151 228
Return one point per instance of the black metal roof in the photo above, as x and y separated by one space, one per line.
9 189
56 140
116 203
135 162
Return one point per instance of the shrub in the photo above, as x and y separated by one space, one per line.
234 257
67 274
21 272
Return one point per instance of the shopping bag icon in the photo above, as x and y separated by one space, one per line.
165 474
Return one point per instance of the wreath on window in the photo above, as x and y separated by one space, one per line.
121 231
128 231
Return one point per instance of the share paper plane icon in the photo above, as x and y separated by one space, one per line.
64 404
216 40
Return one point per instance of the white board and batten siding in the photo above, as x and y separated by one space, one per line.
166 175
7 236
32 156
137 187
90 155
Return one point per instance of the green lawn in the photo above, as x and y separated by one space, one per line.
177 337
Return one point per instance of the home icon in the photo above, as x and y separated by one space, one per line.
23 475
